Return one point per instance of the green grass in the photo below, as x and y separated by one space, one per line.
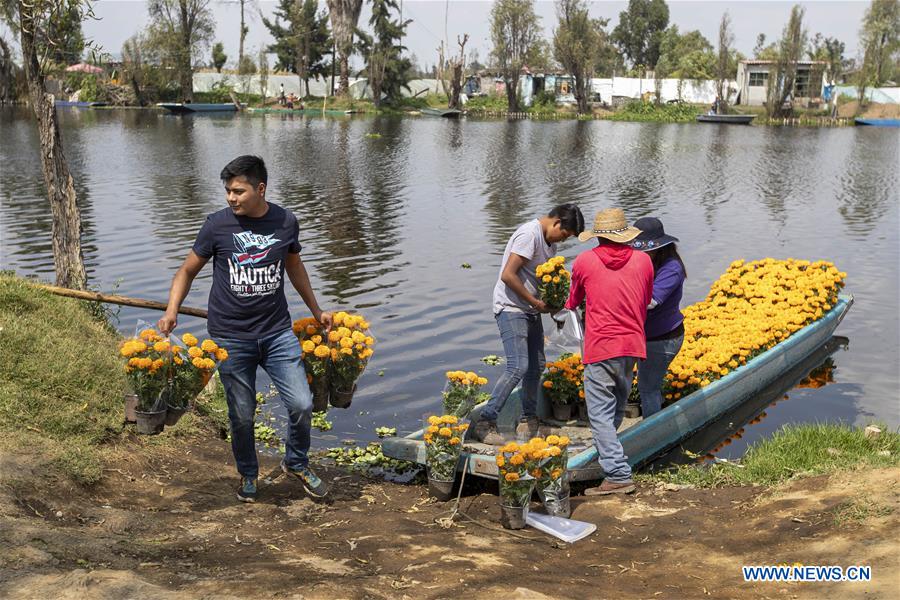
61 382
794 450
657 113
857 510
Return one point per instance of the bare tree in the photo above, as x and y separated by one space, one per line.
68 258
457 65
344 16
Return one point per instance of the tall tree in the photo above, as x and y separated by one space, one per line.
608 59
387 70
880 40
829 50
725 63
686 56
302 40
218 56
640 31
344 16
29 17
181 30
516 37
784 74
63 38
575 45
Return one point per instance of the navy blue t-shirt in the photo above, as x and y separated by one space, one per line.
247 299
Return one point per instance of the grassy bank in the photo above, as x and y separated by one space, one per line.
793 451
657 113
61 383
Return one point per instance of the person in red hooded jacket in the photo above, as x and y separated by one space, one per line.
616 282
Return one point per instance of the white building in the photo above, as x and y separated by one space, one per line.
753 81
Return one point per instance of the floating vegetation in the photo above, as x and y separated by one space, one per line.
493 360
465 266
384 432
320 422
370 461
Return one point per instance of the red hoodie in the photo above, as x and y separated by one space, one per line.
618 283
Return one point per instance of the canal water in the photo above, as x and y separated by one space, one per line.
391 208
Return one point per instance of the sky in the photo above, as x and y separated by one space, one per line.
119 19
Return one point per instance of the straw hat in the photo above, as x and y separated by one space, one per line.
610 224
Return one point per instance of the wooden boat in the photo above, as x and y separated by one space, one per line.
644 440
728 119
447 113
878 122
182 108
303 111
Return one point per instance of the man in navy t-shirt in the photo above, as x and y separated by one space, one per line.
252 244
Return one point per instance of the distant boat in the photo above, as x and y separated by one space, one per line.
878 122
729 119
447 113
181 108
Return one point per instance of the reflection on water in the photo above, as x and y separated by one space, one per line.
390 208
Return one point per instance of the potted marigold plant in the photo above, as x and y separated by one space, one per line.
462 392
147 358
443 441
518 468
553 282
563 385
316 359
351 347
193 365
552 482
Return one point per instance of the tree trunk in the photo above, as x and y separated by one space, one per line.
185 71
243 35
455 85
581 96
68 258
512 94
344 81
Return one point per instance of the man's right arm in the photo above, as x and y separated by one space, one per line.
181 285
510 276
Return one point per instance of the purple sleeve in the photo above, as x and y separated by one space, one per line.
204 245
667 280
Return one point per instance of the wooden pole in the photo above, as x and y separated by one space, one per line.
115 299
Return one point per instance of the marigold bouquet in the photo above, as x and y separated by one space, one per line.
192 366
351 346
519 465
316 356
564 380
553 282
443 441
147 360
462 392
552 483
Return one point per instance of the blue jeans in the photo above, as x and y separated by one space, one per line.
606 387
279 355
652 370
523 342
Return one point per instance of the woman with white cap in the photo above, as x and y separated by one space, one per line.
665 322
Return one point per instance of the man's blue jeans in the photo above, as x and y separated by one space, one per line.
523 342
652 370
279 355
606 387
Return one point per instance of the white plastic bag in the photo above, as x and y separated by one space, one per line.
568 335
568 530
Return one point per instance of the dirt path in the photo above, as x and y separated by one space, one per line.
171 528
